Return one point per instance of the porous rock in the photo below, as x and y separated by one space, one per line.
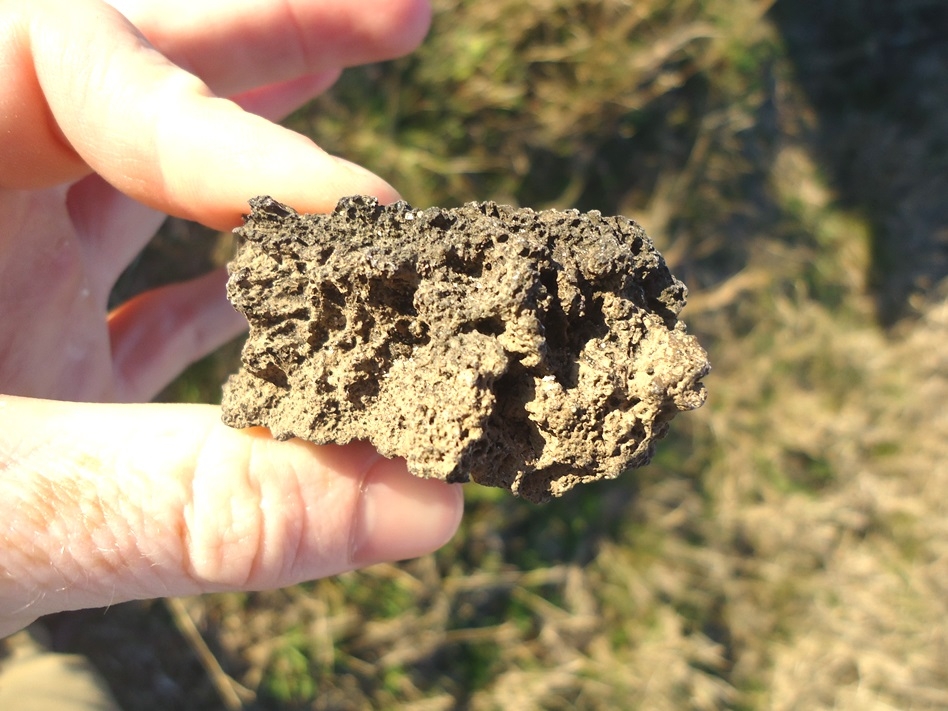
527 350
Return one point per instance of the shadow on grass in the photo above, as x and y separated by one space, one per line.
136 647
876 73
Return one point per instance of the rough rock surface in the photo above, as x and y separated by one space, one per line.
527 350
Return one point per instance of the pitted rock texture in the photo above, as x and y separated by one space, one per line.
532 351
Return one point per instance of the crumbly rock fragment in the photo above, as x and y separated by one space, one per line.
527 350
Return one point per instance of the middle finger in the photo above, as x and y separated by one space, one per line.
237 45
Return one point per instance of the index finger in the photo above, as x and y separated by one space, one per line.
156 132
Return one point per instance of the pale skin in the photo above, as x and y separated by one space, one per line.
111 118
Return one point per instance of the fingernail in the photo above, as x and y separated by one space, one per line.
370 183
402 516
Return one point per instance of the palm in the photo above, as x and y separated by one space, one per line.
54 325
73 242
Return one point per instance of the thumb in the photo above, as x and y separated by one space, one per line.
107 503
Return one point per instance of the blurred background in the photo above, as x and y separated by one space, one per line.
788 546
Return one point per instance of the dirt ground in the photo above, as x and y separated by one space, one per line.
788 548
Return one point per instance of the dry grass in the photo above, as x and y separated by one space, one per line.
789 546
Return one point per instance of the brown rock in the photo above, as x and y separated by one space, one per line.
527 350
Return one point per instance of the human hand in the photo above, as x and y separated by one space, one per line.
102 131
